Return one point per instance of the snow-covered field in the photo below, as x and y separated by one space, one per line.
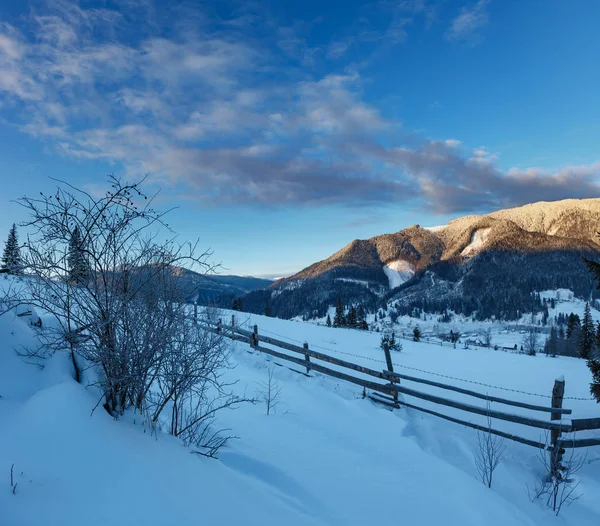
326 456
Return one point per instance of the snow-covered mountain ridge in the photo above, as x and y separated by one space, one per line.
534 247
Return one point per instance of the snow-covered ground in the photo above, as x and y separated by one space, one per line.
325 457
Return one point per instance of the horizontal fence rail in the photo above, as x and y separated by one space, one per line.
392 388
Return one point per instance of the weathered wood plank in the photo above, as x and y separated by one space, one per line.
558 392
532 422
476 394
388 389
323 357
515 438
383 401
580 442
581 424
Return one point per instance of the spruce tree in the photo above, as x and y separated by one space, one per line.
267 307
79 266
394 345
594 362
361 314
328 320
352 320
11 258
552 342
416 334
588 334
594 366
572 322
339 320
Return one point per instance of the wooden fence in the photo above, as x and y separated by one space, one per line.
388 391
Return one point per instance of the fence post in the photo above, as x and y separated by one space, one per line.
196 312
556 454
390 366
255 337
219 325
307 356
232 321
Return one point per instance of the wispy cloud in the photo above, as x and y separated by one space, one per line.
469 22
222 114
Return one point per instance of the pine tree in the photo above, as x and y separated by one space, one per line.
390 341
416 334
552 342
594 366
79 265
572 322
394 345
11 258
594 363
545 314
339 320
352 320
588 334
267 307
328 320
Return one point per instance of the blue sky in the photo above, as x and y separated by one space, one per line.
283 130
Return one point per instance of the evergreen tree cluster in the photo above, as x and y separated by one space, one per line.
492 287
353 318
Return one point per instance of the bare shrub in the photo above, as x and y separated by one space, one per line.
531 342
558 487
118 314
487 337
489 453
100 267
270 391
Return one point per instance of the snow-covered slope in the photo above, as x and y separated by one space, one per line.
398 272
325 457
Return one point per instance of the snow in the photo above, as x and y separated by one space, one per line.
434 228
478 239
351 280
398 272
325 457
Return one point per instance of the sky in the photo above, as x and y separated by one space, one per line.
283 130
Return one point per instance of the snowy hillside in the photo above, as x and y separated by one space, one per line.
326 456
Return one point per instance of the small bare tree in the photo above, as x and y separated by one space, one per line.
487 337
489 453
531 342
270 391
558 487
